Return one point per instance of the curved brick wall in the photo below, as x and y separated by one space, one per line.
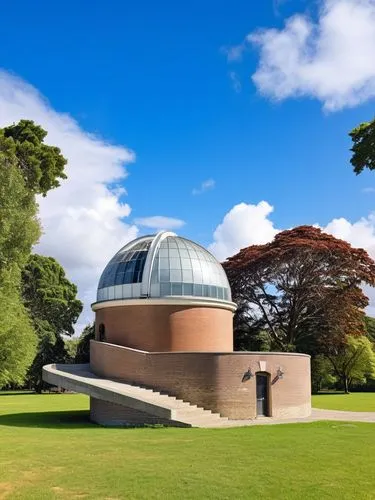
167 327
212 379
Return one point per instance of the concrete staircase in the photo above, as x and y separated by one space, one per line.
184 412
158 406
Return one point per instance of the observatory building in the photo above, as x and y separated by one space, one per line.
164 293
163 348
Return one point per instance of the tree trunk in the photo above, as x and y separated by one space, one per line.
346 385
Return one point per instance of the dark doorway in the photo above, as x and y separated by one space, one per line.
101 332
262 394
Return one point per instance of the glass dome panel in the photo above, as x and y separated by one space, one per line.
179 267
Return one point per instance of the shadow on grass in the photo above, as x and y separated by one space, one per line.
327 393
78 419
16 393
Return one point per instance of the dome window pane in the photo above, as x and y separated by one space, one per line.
176 275
176 289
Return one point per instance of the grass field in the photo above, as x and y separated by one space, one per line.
49 450
357 401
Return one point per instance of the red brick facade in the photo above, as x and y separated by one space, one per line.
164 327
214 380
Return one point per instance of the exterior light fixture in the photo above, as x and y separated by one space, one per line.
247 375
280 373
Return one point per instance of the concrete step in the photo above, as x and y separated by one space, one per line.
153 402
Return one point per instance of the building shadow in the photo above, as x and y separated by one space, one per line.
78 419
16 393
327 393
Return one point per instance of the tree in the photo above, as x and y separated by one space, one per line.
363 149
322 376
303 288
27 167
17 339
71 349
354 361
51 301
45 355
248 336
370 328
41 165
83 347
19 230
49 295
19 225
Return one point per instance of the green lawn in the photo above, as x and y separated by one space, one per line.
48 449
357 401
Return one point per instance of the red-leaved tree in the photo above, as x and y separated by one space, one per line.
303 288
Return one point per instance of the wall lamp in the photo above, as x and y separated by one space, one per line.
247 375
280 373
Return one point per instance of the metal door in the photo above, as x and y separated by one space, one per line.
262 394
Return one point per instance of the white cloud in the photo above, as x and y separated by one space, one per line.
82 219
205 186
160 222
331 59
247 224
243 225
360 234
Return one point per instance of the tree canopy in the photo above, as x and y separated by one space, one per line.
17 339
19 225
303 288
51 300
353 361
41 165
27 167
83 347
370 328
49 295
363 148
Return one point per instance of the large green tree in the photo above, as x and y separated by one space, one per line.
363 148
370 328
27 167
17 339
49 295
83 347
19 230
353 361
41 165
51 300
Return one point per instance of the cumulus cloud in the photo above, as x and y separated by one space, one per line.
205 186
247 224
160 222
83 220
243 225
330 59
360 234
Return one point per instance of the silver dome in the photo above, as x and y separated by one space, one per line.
163 265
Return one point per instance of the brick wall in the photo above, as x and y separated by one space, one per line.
213 379
167 327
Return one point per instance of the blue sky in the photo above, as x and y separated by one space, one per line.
163 80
